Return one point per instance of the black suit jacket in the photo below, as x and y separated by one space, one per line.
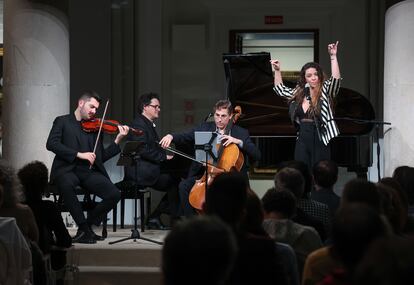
65 141
147 167
249 148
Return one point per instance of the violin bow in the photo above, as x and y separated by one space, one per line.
100 129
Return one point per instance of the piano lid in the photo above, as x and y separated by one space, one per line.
250 85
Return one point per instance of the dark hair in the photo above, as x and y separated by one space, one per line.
88 94
223 104
283 202
361 191
404 175
303 168
34 178
325 173
392 207
12 194
145 100
354 227
226 197
299 91
387 261
199 250
290 179
253 220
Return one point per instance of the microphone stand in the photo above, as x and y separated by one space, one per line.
315 119
377 124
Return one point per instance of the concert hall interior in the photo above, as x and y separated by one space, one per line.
176 71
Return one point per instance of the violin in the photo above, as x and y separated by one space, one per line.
230 158
108 126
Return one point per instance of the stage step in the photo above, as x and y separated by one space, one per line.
115 275
125 262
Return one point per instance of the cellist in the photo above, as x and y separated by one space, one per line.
239 136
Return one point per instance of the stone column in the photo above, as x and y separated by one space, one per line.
399 86
36 78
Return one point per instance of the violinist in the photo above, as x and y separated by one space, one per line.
78 163
237 135
146 171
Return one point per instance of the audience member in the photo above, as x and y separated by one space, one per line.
292 180
404 175
52 231
406 219
311 207
279 208
354 228
253 225
13 207
15 256
325 175
388 261
257 262
12 203
200 250
392 207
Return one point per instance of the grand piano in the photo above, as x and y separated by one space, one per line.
250 86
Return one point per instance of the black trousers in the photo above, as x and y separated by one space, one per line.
309 148
170 202
184 189
95 183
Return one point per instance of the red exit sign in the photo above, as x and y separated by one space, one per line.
273 20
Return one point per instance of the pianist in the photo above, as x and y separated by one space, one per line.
146 171
310 107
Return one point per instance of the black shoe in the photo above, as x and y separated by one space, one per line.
83 237
97 237
156 224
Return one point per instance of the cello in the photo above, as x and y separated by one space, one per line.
229 158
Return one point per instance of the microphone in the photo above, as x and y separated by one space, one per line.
306 91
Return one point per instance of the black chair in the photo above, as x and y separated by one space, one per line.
131 190
88 203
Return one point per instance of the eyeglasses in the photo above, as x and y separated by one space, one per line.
155 106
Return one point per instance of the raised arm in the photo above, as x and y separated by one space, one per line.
277 73
332 50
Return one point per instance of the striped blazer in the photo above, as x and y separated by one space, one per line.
330 89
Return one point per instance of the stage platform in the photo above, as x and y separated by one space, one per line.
127 262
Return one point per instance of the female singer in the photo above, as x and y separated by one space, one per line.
310 107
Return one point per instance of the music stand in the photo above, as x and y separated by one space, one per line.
204 142
128 157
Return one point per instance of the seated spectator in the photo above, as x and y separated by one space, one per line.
392 207
388 261
253 225
256 262
325 175
406 220
292 180
310 206
354 228
15 256
279 208
320 263
404 175
200 250
52 230
12 203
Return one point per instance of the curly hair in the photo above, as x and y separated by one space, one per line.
34 178
12 192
